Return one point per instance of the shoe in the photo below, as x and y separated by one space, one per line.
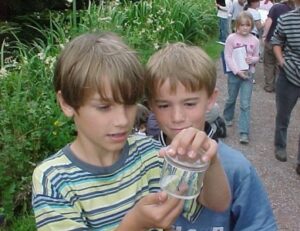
244 138
253 81
228 123
280 154
268 89
298 169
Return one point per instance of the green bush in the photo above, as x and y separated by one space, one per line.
31 124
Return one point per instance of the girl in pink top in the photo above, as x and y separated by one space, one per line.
240 81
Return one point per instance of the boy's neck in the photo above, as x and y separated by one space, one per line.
94 157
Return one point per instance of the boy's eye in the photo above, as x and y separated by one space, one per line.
102 107
190 104
162 105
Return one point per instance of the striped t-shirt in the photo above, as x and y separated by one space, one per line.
287 34
69 194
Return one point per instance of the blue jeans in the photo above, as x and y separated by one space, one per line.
223 24
287 95
235 85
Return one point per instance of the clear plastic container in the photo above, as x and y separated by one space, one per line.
182 179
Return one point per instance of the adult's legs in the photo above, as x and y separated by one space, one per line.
233 87
223 23
287 95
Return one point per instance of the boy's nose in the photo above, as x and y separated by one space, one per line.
121 116
178 115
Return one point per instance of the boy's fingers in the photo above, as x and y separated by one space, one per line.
183 141
154 198
210 153
174 210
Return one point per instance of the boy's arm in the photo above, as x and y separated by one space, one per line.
277 49
215 193
155 210
191 141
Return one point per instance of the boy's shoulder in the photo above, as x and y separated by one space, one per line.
57 158
142 140
234 161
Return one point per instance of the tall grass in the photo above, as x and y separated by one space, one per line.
31 125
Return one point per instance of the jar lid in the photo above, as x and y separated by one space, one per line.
195 166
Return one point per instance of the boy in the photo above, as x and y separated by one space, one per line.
180 90
106 179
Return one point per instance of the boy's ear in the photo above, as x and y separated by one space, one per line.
66 108
212 99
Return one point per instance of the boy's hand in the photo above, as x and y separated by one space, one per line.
156 210
192 143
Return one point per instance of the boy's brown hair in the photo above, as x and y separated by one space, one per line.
93 58
179 62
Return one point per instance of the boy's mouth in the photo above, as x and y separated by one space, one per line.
120 136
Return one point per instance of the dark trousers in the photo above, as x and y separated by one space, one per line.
287 95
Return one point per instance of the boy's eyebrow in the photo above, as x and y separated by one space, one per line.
186 99
98 99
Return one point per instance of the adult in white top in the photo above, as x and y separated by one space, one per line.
236 8
252 7
223 7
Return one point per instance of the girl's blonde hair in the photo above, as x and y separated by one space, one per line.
243 17
92 59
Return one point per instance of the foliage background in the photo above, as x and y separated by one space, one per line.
31 124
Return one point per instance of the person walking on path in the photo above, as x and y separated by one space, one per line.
286 47
236 8
223 7
269 61
252 8
241 80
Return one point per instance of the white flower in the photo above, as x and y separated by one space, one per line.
149 21
41 55
3 72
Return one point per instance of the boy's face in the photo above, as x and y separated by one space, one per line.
102 127
181 109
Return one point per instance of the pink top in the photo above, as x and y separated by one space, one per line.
235 40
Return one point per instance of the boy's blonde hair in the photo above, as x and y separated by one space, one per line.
246 17
90 60
179 62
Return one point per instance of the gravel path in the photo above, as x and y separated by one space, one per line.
280 178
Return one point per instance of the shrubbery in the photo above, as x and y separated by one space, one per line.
31 124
